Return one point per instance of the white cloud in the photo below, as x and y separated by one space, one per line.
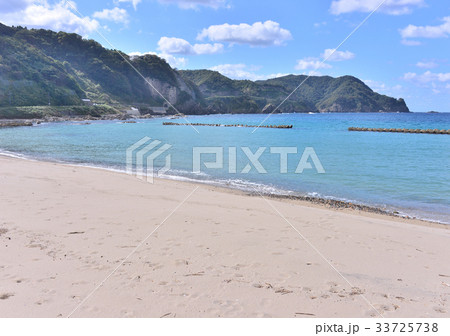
427 77
436 91
330 55
312 73
392 7
172 60
258 34
175 62
133 2
436 82
411 43
206 48
193 4
319 24
174 45
242 71
40 14
380 87
412 31
427 65
333 55
409 75
311 63
117 15
236 71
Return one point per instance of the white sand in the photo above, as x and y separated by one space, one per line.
64 229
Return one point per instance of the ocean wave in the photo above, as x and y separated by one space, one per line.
7 153
242 185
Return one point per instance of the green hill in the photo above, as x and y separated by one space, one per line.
42 67
317 93
55 69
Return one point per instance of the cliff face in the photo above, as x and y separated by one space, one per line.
42 67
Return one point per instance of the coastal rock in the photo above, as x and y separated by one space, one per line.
15 123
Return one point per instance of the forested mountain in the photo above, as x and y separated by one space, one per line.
317 93
42 67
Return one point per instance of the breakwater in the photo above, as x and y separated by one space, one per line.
399 130
221 125
15 123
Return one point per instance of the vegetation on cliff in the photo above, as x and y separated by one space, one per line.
42 67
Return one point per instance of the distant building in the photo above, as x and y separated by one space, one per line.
158 109
134 112
86 101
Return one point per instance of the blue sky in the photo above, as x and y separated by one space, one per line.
402 50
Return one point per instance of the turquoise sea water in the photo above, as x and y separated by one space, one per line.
409 173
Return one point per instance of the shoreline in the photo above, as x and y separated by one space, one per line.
125 116
322 202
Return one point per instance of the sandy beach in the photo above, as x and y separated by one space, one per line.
201 251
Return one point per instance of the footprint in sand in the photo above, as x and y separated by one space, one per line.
6 296
333 288
181 262
125 313
439 310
